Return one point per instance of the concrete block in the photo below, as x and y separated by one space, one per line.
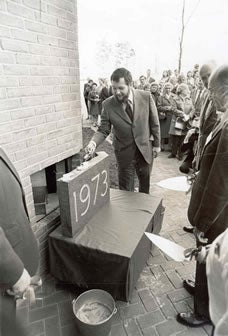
82 193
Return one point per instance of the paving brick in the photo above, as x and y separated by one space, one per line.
150 319
66 313
171 265
132 328
166 306
41 313
175 279
168 328
56 297
193 332
70 330
150 332
117 330
148 300
116 318
178 295
157 271
161 285
132 310
35 329
156 260
52 326
182 307
135 297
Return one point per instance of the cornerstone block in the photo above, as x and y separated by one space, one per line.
82 192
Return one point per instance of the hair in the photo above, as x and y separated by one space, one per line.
94 84
142 76
122 73
168 84
219 82
181 87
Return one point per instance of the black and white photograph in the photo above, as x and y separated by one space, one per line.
113 168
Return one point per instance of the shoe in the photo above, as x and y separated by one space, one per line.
179 157
162 149
170 156
188 229
189 285
190 320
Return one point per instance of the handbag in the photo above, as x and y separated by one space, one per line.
180 124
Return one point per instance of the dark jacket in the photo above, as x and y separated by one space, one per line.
127 133
18 246
208 208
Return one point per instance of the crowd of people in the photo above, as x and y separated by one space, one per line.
192 114
178 99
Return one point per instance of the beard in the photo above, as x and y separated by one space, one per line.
121 97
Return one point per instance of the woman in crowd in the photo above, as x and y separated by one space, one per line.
154 89
190 81
164 78
178 126
166 105
93 98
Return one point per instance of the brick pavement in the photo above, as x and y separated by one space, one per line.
159 293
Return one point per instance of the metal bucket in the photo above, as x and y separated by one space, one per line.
86 299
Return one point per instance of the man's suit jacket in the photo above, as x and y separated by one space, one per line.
208 208
208 119
18 246
126 133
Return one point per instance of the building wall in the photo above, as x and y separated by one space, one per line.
40 112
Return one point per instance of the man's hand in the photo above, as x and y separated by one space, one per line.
90 148
200 236
156 150
21 285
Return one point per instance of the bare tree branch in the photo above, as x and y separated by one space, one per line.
191 15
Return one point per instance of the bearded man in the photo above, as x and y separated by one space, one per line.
136 132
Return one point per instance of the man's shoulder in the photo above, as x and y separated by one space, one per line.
141 93
110 101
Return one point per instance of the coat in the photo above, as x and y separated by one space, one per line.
217 278
126 133
18 246
162 103
184 107
208 208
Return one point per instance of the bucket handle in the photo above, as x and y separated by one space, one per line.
73 301
114 311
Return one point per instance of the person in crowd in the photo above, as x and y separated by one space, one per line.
181 79
198 97
93 98
190 81
100 85
105 92
164 78
133 145
208 116
208 208
142 80
217 280
166 106
196 78
195 69
178 126
147 87
154 90
19 254
87 89
149 78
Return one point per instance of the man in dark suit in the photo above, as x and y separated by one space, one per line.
18 246
136 131
208 115
208 208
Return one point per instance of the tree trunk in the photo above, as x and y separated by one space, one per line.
181 38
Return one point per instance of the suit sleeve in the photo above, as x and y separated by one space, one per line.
11 266
154 122
104 128
215 195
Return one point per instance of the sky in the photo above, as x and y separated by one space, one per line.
152 28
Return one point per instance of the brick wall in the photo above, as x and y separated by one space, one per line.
40 113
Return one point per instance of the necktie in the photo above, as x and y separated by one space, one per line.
128 110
